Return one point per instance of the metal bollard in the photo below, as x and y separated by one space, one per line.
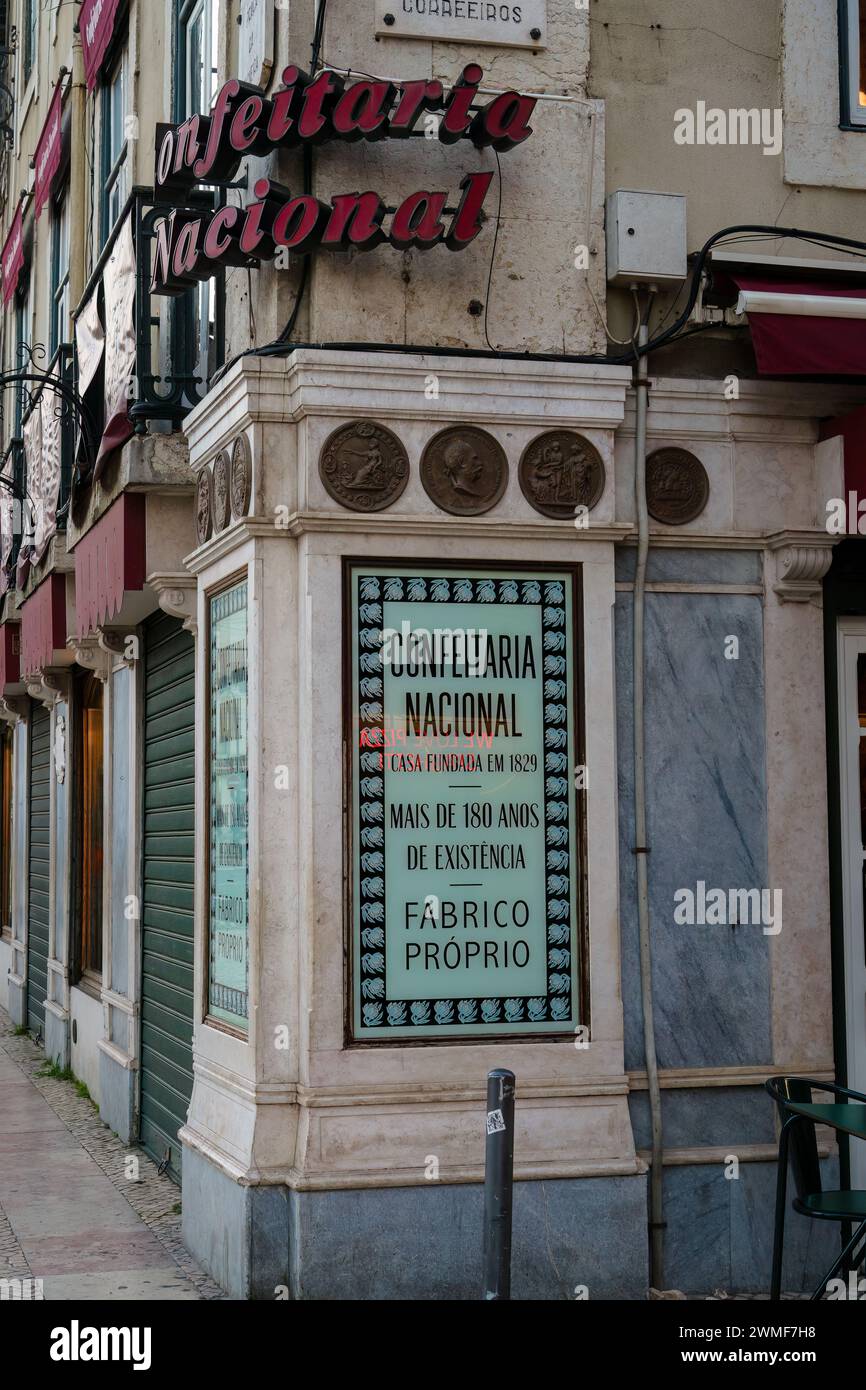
498 1185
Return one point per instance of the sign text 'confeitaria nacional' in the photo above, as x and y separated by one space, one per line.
193 245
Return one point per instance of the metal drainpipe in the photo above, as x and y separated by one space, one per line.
641 849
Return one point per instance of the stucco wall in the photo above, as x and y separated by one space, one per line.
651 58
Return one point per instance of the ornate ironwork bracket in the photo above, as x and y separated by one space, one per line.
32 383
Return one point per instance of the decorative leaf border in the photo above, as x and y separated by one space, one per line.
371 591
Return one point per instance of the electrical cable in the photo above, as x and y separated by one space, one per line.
736 232
283 337
493 256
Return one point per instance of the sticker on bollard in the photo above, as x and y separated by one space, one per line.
498 1185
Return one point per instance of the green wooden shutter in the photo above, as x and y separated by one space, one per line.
169 876
40 835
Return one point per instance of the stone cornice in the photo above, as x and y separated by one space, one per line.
331 383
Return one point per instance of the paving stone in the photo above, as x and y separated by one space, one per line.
69 1214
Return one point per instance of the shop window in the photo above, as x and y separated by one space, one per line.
6 745
88 826
114 99
61 331
852 64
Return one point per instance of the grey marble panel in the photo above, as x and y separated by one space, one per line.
216 1227
697 1212
57 1039
810 1246
719 1232
709 1117
706 779
426 1243
117 1096
692 566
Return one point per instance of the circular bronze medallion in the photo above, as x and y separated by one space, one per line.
242 477
203 509
464 471
221 496
364 467
560 471
677 486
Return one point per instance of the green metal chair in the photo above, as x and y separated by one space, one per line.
797 1141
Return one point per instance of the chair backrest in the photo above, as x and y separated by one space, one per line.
802 1143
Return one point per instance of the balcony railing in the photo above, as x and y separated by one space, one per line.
165 386
27 489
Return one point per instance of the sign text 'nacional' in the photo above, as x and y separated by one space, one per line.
465 854
192 245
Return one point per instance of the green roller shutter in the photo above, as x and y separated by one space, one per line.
169 876
40 833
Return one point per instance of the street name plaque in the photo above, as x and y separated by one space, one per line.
465 885
521 25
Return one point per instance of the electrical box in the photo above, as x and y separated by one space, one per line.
646 238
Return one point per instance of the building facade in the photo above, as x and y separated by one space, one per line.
337 332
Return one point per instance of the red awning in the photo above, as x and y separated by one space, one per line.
96 22
793 344
47 157
110 560
12 255
43 625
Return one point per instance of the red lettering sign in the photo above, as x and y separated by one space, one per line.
47 157
209 149
243 120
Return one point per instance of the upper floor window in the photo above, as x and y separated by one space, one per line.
29 19
200 325
852 41
115 146
198 55
61 331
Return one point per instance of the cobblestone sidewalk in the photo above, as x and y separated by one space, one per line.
75 1212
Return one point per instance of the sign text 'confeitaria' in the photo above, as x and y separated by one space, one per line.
193 245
